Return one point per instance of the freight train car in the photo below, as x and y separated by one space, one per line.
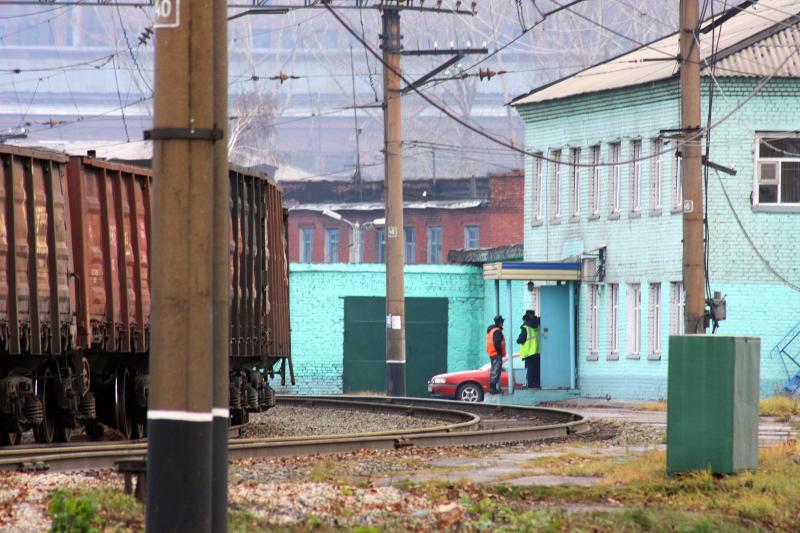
75 294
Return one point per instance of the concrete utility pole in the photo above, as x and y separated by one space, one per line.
393 189
179 454
221 273
691 169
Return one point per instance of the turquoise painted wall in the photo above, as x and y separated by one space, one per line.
646 247
317 292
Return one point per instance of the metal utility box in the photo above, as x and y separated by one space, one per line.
712 414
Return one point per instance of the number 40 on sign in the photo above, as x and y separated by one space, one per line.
167 14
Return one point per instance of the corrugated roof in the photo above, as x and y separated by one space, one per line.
751 43
379 206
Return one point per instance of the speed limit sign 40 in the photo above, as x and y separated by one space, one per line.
168 14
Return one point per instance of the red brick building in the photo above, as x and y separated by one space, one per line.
439 216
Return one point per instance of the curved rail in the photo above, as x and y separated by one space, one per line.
469 427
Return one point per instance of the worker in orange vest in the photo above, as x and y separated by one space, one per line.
496 348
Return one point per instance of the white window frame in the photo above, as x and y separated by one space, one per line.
654 326
613 321
633 321
614 179
677 307
777 164
594 183
467 244
659 146
302 234
328 257
677 184
435 246
593 325
555 187
537 190
574 184
636 176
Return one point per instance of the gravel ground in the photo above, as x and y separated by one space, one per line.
340 490
290 421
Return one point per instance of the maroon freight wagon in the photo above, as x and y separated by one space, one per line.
75 294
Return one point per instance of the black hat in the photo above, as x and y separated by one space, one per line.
498 320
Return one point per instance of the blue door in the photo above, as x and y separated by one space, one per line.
556 349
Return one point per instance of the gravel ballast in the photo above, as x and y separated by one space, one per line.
293 421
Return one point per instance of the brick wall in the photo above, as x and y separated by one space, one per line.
317 293
499 219
646 248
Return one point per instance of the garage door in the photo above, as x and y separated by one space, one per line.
365 343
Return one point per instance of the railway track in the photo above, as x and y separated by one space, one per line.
462 424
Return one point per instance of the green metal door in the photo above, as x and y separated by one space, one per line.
365 343
426 342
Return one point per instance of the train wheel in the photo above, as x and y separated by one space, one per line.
44 432
10 438
62 433
121 402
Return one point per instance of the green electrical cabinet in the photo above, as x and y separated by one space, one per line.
712 414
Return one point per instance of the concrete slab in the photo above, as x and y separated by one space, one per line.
528 397
552 481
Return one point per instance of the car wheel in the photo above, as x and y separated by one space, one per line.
470 392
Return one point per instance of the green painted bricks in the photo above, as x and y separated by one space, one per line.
712 414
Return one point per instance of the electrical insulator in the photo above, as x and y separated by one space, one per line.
486 73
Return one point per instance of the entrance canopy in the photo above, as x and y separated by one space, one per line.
527 271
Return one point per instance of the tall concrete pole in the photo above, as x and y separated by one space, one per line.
691 169
179 414
221 273
393 189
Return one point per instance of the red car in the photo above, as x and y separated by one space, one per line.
472 385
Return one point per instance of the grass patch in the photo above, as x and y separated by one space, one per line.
96 509
781 407
654 406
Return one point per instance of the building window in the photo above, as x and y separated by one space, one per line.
332 245
778 171
677 305
435 245
659 146
594 183
537 188
634 321
654 327
380 245
356 254
306 244
409 252
677 184
593 338
613 321
471 237
614 181
555 185
575 183
636 176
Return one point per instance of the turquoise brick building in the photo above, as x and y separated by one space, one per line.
624 221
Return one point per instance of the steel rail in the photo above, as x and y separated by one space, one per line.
465 432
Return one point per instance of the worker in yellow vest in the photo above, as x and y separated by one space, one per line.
529 351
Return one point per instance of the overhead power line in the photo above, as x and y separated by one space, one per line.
694 137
